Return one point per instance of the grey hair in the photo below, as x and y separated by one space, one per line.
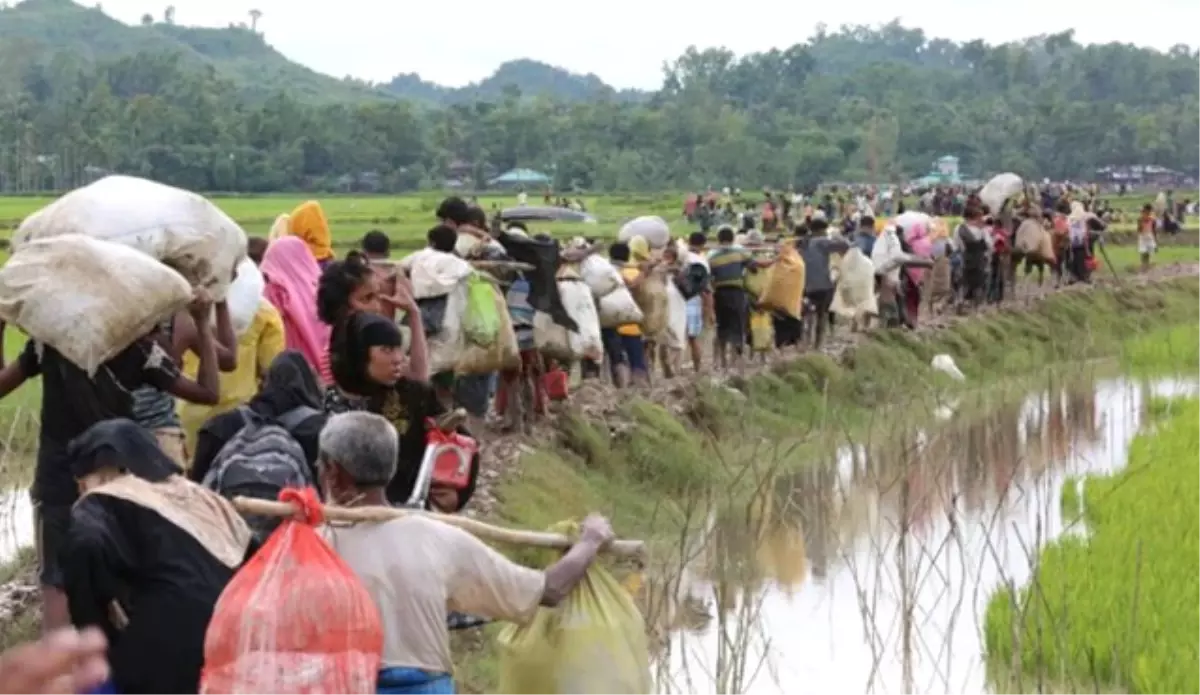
363 444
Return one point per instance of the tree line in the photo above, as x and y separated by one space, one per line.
858 104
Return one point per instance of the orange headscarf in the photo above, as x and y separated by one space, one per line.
308 222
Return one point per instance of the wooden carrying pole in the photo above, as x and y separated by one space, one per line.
622 548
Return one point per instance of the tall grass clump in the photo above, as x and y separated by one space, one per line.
1116 608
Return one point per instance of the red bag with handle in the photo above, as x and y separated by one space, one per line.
294 619
453 452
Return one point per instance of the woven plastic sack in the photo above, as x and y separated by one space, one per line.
63 291
594 641
784 291
559 343
503 353
481 319
652 228
855 293
617 308
447 345
601 276
651 298
294 619
178 227
1000 188
675 334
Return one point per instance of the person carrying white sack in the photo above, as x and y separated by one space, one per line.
72 402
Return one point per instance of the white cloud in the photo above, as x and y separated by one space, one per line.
625 41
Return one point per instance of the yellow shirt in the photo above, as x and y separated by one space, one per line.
630 274
260 344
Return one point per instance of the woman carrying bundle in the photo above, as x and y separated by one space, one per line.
146 558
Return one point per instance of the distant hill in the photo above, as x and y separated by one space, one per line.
39 31
531 77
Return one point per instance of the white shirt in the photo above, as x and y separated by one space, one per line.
522 198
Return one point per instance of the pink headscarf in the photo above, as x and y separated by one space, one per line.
918 240
292 275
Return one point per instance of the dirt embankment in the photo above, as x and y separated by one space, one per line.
599 401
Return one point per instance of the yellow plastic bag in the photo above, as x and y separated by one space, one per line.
592 642
785 287
762 331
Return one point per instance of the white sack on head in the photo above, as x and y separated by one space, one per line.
180 228
245 296
600 275
654 228
87 298
999 189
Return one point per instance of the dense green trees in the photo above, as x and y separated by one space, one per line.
857 104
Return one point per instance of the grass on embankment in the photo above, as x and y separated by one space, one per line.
656 474
1117 608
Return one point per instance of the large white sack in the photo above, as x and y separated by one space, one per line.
886 254
999 189
178 227
87 298
855 293
448 345
245 296
601 276
675 337
434 273
556 341
652 228
908 218
617 308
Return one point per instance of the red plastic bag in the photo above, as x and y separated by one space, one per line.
556 385
294 619
1091 263
453 452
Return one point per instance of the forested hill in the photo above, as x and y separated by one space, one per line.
219 109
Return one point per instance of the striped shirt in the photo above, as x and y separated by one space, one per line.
727 265
152 408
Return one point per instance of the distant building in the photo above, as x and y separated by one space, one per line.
945 172
1143 175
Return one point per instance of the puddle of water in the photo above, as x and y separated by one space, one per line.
894 554
16 523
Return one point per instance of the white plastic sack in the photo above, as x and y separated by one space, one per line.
555 341
245 296
178 227
675 337
434 273
63 292
653 228
448 345
907 219
601 276
999 189
886 254
855 294
617 308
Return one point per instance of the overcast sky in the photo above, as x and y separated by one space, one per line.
626 41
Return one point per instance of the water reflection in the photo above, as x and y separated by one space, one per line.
871 573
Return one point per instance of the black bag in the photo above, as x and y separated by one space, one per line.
693 280
259 461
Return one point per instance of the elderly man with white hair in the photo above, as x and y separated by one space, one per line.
416 568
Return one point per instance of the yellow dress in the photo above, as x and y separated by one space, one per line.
260 344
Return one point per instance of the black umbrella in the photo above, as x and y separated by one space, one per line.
544 214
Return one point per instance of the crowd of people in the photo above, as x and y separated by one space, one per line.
329 384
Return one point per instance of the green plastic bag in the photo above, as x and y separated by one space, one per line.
481 321
594 641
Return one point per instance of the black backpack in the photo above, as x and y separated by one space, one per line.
259 461
693 280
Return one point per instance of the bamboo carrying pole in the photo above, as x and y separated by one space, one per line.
621 548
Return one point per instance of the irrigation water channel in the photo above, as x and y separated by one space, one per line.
842 590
